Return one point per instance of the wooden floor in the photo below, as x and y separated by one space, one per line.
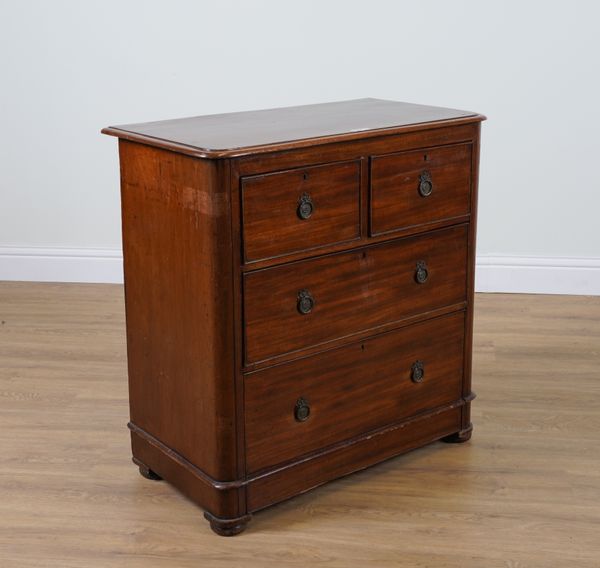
524 492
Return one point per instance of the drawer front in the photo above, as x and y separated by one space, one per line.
298 407
424 186
300 209
306 303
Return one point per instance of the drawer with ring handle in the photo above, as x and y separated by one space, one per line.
300 209
420 187
306 404
300 304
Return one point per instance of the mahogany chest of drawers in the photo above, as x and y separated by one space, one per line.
299 294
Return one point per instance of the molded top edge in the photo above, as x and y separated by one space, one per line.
250 132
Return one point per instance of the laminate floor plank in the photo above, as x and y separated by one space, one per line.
525 492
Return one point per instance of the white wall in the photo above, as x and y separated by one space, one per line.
69 68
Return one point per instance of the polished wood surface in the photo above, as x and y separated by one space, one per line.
353 389
357 150
395 204
198 319
366 288
240 133
352 456
271 222
167 200
523 492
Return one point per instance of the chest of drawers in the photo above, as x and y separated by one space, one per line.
299 294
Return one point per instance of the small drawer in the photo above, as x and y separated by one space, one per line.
300 209
419 187
298 407
306 303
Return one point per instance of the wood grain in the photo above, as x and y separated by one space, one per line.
353 291
349 458
180 366
523 493
271 130
188 225
352 390
395 200
271 225
352 151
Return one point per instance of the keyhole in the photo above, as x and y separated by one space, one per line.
425 157
305 176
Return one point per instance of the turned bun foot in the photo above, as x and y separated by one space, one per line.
146 472
227 527
459 437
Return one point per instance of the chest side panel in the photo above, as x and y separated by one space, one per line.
179 305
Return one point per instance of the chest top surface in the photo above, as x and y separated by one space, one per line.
240 133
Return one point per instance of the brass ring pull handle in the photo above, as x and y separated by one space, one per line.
425 184
305 207
301 410
417 372
306 302
421 274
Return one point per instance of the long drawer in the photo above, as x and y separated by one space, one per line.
298 407
310 302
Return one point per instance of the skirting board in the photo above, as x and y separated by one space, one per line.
538 275
512 274
40 264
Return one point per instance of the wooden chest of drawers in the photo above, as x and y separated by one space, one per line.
299 294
